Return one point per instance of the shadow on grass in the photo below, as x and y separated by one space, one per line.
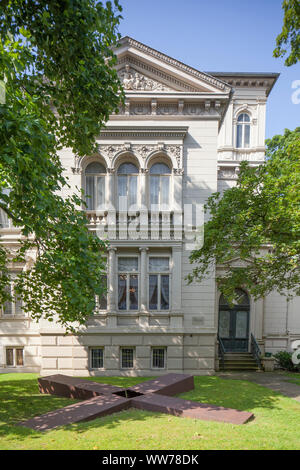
21 400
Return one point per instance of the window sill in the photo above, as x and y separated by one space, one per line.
13 367
14 318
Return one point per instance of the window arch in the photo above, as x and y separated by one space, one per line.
128 182
243 131
241 299
95 186
160 175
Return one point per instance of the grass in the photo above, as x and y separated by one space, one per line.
293 378
276 424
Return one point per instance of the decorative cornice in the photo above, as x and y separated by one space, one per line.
177 64
160 132
248 79
202 108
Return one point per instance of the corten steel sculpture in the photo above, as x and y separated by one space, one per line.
101 399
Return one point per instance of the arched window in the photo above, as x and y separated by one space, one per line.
243 131
241 299
95 186
128 182
160 184
234 322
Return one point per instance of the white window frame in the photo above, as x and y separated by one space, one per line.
160 204
163 348
122 348
5 221
243 124
95 176
159 274
14 348
127 274
128 176
101 348
104 296
13 313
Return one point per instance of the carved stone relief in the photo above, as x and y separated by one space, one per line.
133 80
142 151
228 173
140 108
167 108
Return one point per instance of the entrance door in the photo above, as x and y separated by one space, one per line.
234 323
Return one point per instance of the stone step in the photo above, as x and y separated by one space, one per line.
241 367
236 356
239 361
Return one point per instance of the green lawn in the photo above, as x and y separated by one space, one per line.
276 424
294 378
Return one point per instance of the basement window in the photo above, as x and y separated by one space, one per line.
158 358
96 358
14 357
127 358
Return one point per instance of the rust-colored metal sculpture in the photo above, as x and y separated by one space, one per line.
101 399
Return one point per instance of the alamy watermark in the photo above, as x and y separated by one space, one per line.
161 223
296 94
296 354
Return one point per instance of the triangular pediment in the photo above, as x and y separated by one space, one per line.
143 69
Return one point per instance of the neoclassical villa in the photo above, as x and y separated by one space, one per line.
180 136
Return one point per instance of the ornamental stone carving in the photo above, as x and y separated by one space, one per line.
134 81
140 108
110 151
228 173
167 108
142 151
178 171
175 151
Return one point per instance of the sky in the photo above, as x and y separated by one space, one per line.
221 36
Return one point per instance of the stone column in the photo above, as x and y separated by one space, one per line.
260 123
110 197
177 203
110 204
143 282
111 294
143 205
176 313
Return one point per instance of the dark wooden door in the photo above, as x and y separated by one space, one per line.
234 329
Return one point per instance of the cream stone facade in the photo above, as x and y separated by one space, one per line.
180 136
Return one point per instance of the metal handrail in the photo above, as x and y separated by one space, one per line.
221 352
255 350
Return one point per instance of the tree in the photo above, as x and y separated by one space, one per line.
290 34
257 222
56 61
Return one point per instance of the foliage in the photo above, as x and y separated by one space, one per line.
290 34
256 223
60 87
284 360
